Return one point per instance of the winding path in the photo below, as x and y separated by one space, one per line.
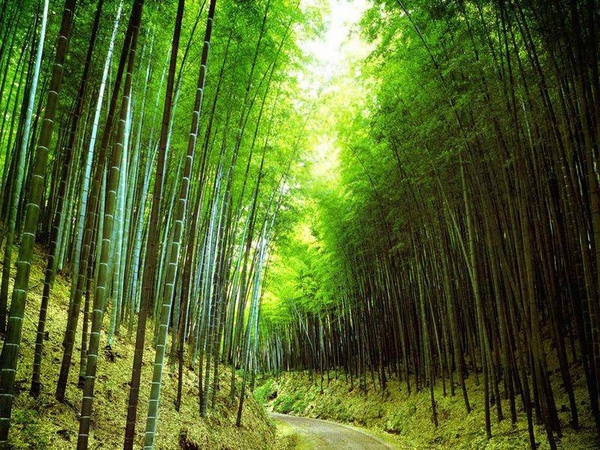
324 435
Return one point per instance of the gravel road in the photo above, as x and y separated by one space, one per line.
322 434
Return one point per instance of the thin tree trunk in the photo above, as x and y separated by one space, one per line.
12 342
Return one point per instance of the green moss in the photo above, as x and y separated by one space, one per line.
30 429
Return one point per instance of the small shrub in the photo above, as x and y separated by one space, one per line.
265 392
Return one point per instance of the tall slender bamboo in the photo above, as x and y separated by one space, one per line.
103 275
12 342
20 171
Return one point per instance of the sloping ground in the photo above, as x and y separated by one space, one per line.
44 423
406 420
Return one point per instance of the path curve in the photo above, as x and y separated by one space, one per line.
325 435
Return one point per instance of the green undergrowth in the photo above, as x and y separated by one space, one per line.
44 423
405 420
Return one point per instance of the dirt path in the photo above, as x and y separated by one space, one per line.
321 434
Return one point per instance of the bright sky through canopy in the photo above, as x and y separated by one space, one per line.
331 55
339 43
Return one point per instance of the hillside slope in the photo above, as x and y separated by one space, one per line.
44 423
404 420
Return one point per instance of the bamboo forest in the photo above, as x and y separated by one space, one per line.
295 224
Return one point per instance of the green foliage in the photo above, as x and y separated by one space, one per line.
264 392
288 404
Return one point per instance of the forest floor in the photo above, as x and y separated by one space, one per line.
45 423
405 420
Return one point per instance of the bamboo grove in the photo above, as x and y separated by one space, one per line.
145 147
462 237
